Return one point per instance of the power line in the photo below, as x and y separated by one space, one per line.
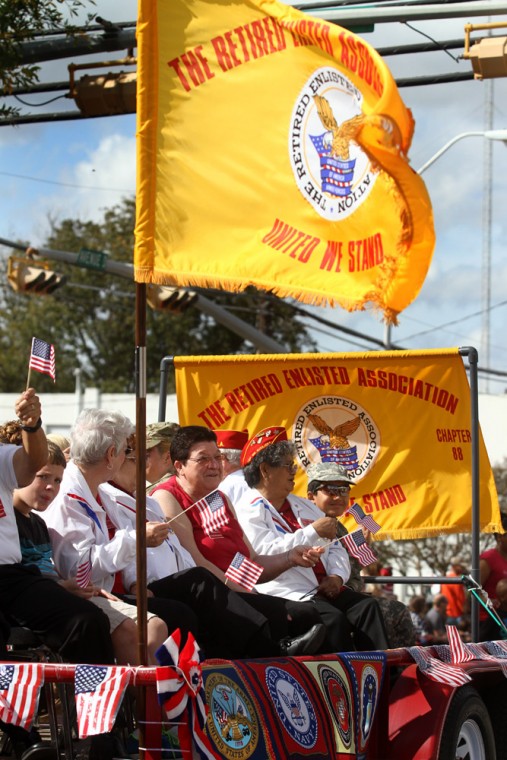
64 184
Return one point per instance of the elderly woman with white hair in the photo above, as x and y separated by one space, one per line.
80 534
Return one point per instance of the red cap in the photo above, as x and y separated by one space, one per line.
231 439
260 440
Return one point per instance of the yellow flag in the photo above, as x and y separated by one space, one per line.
272 151
399 422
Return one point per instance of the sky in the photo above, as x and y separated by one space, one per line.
76 169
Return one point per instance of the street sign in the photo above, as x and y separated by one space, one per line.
90 259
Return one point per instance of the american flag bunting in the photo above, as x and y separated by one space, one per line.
442 672
361 518
42 358
357 546
243 571
457 649
20 685
212 509
99 692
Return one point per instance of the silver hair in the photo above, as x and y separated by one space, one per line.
233 456
94 431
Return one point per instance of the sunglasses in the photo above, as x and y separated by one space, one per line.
331 490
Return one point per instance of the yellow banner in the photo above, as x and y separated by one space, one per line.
398 421
272 151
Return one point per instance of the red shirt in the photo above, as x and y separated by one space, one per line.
220 547
498 568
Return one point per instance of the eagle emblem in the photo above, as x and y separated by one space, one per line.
338 435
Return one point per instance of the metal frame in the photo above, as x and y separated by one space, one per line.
471 354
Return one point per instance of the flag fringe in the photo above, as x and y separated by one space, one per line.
408 534
373 299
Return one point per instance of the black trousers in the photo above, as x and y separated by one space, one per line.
361 617
71 626
235 625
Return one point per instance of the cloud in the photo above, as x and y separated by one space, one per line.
99 180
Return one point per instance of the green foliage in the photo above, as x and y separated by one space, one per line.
21 21
91 319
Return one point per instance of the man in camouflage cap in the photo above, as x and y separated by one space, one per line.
328 472
329 488
159 466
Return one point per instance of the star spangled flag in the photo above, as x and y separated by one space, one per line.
357 546
99 692
20 685
439 671
84 571
212 509
457 649
361 518
42 358
497 648
480 652
243 571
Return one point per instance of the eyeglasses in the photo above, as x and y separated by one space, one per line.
334 490
292 467
206 461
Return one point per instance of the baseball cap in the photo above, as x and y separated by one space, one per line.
260 441
231 439
158 432
327 472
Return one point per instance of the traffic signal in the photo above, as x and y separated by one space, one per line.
489 54
165 298
24 277
106 94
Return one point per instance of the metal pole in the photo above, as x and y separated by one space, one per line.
472 355
141 560
167 361
486 231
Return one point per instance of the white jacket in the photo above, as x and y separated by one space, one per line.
269 533
78 531
168 558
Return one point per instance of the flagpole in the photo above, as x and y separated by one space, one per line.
142 602
29 368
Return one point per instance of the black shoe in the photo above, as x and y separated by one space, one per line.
307 643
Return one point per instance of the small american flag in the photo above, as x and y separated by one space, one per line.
457 649
243 571
213 512
437 670
84 571
20 686
357 546
99 692
361 518
42 358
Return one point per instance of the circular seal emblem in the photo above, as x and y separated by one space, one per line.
333 174
292 706
338 699
369 693
232 722
336 429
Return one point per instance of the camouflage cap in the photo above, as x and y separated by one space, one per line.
158 432
328 471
